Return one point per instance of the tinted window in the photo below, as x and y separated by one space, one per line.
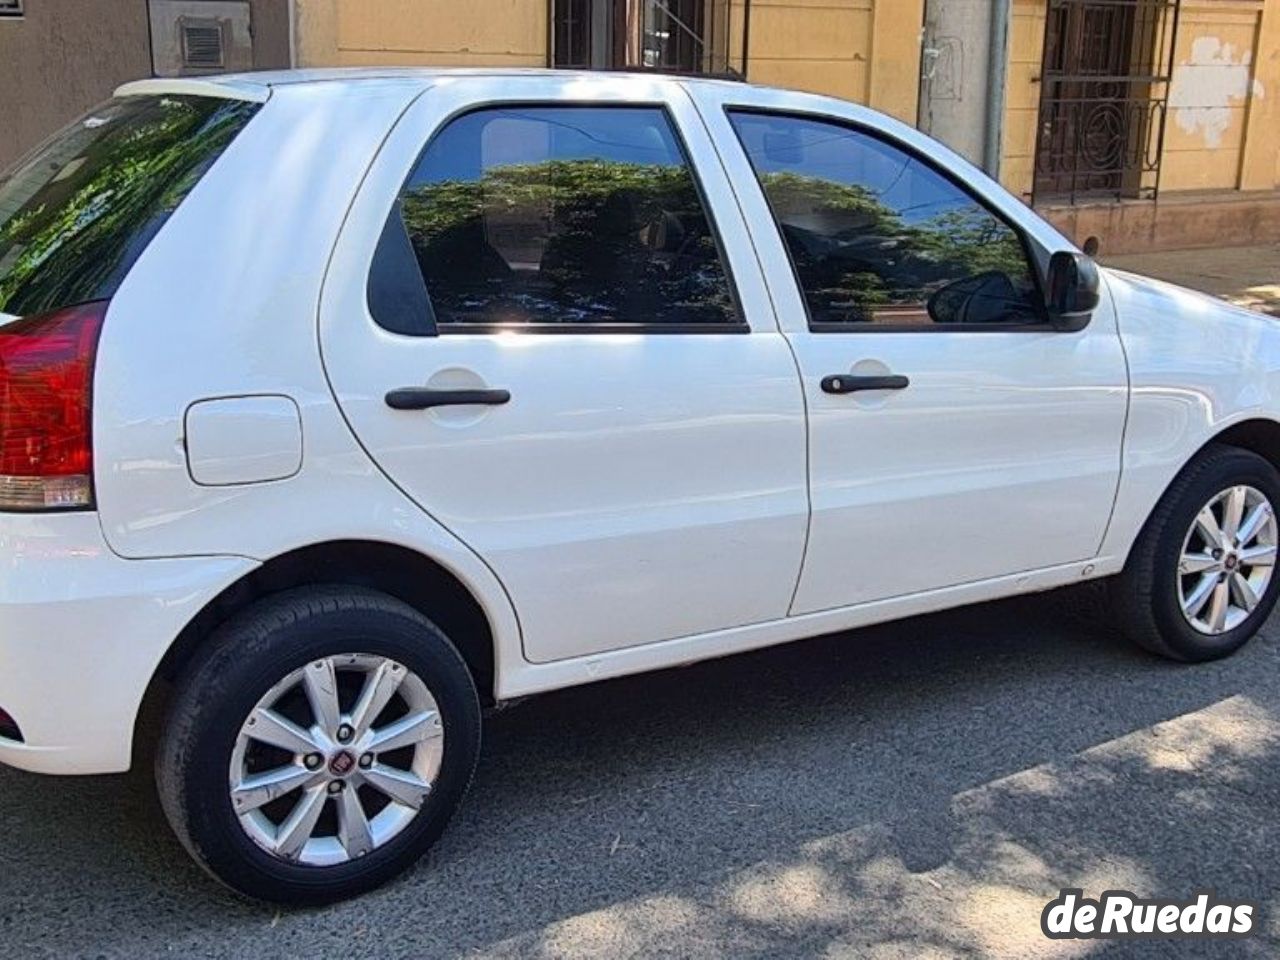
76 215
878 236
563 215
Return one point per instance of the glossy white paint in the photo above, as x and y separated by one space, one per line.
229 87
644 499
1002 456
627 467
233 440
82 632
1197 368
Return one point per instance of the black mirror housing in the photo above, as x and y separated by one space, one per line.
1073 289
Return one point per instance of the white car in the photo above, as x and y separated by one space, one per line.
335 405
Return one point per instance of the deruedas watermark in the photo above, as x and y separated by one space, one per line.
1118 914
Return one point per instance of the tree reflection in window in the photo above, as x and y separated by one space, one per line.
77 213
874 234
564 215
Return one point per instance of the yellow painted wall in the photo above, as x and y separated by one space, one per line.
1210 93
867 51
1260 157
1223 126
863 50
1223 129
1022 95
506 33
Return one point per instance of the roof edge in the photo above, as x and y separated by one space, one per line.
225 89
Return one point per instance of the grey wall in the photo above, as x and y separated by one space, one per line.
60 59
66 55
953 85
270 34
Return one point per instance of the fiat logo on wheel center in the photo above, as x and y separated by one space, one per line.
342 763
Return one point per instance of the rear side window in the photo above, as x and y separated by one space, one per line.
75 215
561 218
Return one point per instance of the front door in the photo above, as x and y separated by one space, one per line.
954 435
593 393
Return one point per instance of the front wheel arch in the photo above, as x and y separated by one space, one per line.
1256 435
1143 594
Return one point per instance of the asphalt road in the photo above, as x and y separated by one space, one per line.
915 790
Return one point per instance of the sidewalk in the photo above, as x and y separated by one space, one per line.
1248 276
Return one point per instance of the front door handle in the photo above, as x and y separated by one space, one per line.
848 383
422 398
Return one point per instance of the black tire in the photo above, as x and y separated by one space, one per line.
243 660
1145 595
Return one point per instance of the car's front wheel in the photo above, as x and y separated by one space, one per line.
1201 579
319 745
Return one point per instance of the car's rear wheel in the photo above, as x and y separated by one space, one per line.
319 745
1201 578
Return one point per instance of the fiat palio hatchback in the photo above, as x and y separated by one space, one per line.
337 405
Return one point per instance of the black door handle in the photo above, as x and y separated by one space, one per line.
848 383
421 398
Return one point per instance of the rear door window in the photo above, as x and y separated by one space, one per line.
76 214
562 217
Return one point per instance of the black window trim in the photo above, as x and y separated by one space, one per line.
1044 325
739 326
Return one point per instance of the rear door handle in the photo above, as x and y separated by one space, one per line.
422 398
848 383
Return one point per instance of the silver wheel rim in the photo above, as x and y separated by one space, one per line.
336 759
1227 560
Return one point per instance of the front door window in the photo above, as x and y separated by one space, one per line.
879 238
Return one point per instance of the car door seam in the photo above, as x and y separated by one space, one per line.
1124 427
333 391
777 321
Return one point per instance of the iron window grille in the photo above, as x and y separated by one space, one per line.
707 37
1104 98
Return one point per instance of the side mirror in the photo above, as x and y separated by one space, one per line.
1073 289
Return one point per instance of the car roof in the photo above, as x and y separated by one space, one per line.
257 85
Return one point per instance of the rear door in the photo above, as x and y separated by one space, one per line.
545 323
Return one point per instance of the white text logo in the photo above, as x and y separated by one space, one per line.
1119 914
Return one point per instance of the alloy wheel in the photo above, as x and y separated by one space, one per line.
336 759
1227 561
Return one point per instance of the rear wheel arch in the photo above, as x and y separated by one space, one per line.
397 571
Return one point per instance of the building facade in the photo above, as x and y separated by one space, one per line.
1148 123
863 50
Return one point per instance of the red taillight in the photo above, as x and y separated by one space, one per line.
46 384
